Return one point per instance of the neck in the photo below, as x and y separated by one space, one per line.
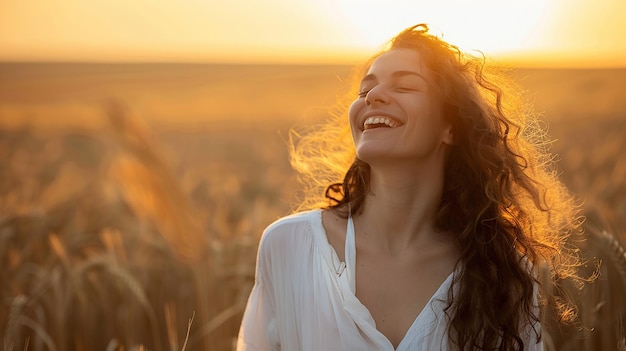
400 210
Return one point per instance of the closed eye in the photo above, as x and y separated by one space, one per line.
363 93
407 89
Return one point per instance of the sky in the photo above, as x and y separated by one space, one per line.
567 33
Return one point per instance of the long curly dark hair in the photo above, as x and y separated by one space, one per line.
502 198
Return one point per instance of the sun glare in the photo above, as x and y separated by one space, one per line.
537 32
491 26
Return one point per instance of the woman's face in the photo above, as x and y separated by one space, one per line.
397 115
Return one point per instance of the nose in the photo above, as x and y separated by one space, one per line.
376 95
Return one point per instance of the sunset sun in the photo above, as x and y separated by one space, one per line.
491 26
522 32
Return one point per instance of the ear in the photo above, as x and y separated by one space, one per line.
448 135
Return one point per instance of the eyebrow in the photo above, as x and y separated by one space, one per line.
396 74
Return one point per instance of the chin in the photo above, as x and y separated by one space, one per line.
370 156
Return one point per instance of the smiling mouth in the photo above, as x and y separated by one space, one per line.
379 122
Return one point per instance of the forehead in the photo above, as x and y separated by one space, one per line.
399 59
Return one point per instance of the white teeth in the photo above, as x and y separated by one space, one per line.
379 120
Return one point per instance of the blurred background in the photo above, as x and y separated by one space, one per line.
144 150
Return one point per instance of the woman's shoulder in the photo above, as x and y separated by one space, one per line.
304 218
290 239
294 227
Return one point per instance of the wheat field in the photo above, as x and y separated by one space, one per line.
132 197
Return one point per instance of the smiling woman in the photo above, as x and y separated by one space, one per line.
432 230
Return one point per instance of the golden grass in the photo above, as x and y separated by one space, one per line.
121 258
125 232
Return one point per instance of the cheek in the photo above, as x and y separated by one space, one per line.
353 113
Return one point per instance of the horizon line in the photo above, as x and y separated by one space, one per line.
519 64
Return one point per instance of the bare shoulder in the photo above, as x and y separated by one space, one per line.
335 228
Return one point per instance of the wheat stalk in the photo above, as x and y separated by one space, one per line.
11 332
128 280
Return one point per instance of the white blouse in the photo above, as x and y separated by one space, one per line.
304 297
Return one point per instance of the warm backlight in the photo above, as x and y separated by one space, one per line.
491 26
584 32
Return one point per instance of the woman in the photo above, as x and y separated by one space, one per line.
431 240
